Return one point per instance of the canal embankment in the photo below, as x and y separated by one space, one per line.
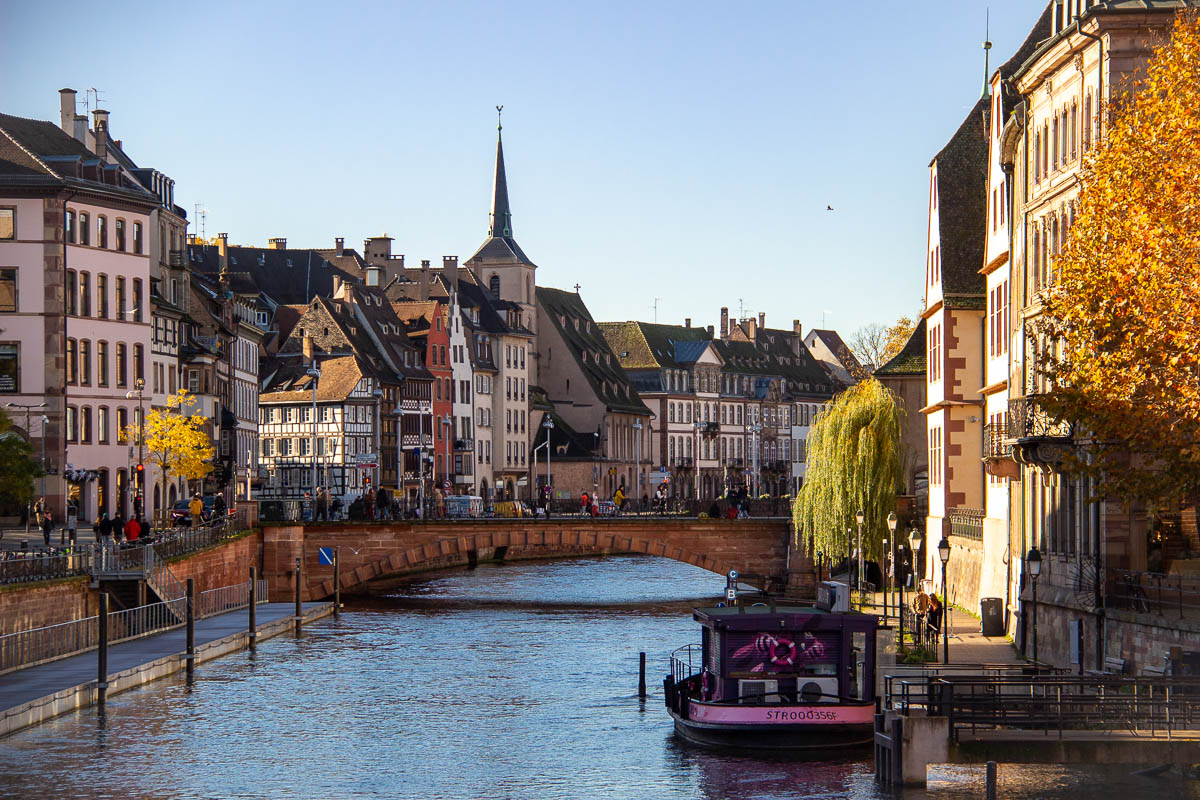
38 693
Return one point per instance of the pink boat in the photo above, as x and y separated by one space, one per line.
776 677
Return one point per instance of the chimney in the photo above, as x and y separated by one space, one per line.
339 245
425 279
278 243
223 250
797 337
337 285
687 322
100 125
762 319
450 273
751 328
307 344
81 130
710 331
66 102
724 321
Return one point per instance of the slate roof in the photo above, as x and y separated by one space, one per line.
646 345
1038 34
841 351
589 347
287 277
772 355
962 207
580 446
500 245
911 358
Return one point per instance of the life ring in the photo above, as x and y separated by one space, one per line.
788 656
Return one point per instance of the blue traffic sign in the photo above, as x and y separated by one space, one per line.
325 555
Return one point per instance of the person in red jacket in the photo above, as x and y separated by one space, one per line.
132 530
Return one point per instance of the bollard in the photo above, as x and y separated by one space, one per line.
297 597
337 581
190 655
253 631
642 675
991 780
102 653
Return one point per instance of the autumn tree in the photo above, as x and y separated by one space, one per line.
874 344
854 462
175 441
1121 322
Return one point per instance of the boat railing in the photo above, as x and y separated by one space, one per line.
687 661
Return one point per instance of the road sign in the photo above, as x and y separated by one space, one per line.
366 458
325 556
446 484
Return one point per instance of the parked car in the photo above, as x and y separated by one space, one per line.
180 515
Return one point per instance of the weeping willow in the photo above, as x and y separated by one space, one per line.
854 462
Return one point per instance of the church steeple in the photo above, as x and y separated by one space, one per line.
501 217
987 51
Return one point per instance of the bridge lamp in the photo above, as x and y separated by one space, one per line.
944 555
1034 560
859 556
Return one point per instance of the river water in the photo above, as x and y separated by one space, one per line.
508 681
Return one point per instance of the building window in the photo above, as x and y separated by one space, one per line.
122 424
137 238
120 298
102 296
85 230
8 290
85 425
10 363
102 363
102 425
122 371
138 366
137 299
101 231
85 363
120 231
72 424
69 227
8 223
72 361
72 292
935 456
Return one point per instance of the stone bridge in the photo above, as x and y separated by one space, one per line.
757 548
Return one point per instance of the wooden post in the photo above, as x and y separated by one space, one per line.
253 631
642 675
337 580
991 780
298 567
191 628
102 653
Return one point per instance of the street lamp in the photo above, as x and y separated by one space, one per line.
139 499
755 429
859 517
914 543
944 555
637 447
446 421
900 581
548 424
314 373
887 579
29 433
696 462
1034 560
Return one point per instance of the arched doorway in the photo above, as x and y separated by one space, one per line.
483 488
122 492
157 501
102 498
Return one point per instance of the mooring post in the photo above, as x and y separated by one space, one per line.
642 675
190 655
102 653
253 632
991 780
337 580
297 597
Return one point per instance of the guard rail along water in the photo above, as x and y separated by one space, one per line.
52 642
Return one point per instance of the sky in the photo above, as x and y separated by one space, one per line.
669 154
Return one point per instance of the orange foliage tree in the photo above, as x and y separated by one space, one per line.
1123 317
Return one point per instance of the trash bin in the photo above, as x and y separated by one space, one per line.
991 616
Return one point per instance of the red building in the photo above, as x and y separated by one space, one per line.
426 325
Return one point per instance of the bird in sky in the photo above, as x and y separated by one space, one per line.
829 208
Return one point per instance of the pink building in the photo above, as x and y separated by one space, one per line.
74 286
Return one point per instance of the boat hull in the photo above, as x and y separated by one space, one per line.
821 730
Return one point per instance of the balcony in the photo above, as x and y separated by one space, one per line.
709 428
966 522
176 258
464 445
1036 438
685 463
998 452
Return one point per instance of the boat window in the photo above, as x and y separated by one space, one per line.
858 675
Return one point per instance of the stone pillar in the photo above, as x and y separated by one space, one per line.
282 545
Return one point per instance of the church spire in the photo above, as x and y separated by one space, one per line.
501 218
987 51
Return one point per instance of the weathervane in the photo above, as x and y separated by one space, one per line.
499 109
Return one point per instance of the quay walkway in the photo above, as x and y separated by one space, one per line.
34 694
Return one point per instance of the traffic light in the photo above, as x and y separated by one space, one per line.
141 470
367 481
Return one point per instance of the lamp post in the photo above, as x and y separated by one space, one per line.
377 393
548 424
858 516
139 497
29 433
696 462
755 429
314 373
596 469
446 422
914 541
900 581
1034 560
887 579
944 555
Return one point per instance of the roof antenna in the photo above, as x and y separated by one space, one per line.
987 46
824 314
656 308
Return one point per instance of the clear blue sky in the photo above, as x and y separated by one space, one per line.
685 151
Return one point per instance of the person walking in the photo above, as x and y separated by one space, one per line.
219 507
133 529
619 498
369 502
47 526
584 504
196 509
322 504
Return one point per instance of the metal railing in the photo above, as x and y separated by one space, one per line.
1155 593
686 661
1027 420
42 565
966 522
52 642
995 441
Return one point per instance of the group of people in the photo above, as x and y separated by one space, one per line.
116 529
928 610
378 504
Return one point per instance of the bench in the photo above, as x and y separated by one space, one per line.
1112 666
1154 672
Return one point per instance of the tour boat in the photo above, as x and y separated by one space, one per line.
786 677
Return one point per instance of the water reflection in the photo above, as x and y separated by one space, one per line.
516 681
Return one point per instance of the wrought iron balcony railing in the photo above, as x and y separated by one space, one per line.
1027 420
966 522
995 441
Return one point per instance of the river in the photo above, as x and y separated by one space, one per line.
507 681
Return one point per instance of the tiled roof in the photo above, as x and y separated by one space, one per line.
962 204
588 346
287 277
911 358
1039 33
289 383
580 446
841 351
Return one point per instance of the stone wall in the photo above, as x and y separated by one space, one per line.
221 565
963 572
26 606
1140 639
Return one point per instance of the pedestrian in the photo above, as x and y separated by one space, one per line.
196 509
934 617
133 529
219 508
117 529
95 525
369 502
335 506
47 526
619 498
322 504
595 504
439 498
103 527
584 504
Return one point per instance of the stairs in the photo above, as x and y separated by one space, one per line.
136 577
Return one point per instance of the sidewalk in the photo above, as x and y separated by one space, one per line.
34 694
967 644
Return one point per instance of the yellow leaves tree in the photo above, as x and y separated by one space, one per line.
177 442
1122 320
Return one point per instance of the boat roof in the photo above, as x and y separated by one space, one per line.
756 616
